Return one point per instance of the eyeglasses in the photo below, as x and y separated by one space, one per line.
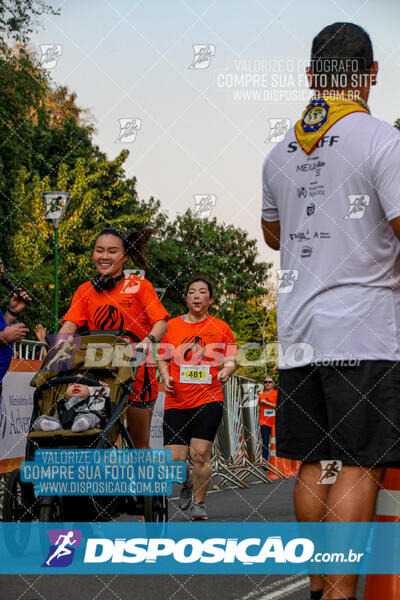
268 381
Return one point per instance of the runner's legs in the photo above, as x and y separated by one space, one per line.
200 453
139 422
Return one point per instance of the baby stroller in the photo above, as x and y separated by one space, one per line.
109 358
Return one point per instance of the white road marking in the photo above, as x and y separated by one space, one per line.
280 591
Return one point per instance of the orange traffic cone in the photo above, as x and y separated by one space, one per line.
386 587
274 460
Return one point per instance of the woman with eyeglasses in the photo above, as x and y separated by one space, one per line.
267 402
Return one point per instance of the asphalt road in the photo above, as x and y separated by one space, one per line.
261 502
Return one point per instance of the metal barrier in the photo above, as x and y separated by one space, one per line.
29 350
237 451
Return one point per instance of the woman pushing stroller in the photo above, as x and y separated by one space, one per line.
112 300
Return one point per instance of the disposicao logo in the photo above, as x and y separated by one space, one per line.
190 550
62 547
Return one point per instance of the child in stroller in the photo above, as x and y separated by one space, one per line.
81 408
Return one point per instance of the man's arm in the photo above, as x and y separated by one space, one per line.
272 233
395 223
270 404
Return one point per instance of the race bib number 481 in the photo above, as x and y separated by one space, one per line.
198 374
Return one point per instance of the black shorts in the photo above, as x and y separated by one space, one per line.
182 424
345 413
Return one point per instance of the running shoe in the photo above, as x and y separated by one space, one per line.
185 497
199 512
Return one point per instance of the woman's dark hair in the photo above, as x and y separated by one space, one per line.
341 48
134 243
205 280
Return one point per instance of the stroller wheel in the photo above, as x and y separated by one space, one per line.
51 512
156 509
14 514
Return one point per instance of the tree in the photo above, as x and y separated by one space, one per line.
17 17
41 126
254 326
224 253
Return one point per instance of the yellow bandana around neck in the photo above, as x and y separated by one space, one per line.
321 113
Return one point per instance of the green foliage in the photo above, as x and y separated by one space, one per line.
40 127
254 326
101 195
17 17
190 245
47 145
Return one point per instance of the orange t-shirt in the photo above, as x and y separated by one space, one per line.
133 305
267 414
195 352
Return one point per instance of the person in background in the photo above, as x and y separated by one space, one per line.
41 333
267 402
201 359
10 331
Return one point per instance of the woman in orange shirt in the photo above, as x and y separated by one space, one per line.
198 344
112 300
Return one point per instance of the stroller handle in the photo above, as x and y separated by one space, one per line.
139 356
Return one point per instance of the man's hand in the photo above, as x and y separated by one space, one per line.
16 304
13 333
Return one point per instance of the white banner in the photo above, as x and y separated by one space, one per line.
15 414
156 432
16 409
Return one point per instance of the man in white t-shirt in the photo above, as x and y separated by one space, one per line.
331 205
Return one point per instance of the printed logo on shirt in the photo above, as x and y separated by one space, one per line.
301 192
327 140
306 251
357 205
108 317
310 209
316 189
313 167
300 235
192 347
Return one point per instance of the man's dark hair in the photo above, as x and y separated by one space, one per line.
205 279
341 48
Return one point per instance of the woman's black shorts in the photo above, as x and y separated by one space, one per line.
182 424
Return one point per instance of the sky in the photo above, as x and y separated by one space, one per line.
194 89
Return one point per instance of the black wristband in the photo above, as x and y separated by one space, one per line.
152 338
12 312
